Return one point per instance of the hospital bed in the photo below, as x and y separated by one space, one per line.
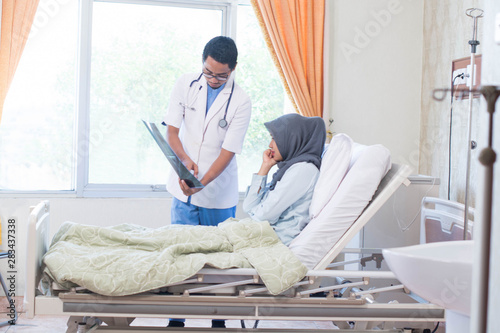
354 183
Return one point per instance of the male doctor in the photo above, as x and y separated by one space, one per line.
207 119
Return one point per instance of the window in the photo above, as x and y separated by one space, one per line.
37 129
258 76
76 126
138 52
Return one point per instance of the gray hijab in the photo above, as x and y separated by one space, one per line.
299 139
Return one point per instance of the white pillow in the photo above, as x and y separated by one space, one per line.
370 164
334 166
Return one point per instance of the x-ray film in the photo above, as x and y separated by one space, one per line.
176 163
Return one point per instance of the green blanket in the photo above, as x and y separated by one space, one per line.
129 259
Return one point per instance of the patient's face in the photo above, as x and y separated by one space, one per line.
275 151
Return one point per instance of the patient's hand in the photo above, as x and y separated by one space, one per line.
268 162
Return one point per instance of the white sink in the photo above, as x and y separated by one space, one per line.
440 273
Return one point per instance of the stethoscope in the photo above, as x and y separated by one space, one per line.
223 121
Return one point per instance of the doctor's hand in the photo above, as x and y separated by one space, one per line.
191 166
188 191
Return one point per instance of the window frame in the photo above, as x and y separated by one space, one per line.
82 187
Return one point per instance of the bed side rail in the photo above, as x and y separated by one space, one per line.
37 245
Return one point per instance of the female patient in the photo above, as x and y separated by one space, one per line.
296 147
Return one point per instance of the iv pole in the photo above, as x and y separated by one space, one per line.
475 13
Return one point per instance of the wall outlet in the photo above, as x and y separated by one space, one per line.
462 66
460 80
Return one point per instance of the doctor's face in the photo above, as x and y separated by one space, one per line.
215 73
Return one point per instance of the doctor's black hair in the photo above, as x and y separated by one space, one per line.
222 49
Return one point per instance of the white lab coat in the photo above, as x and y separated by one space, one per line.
203 138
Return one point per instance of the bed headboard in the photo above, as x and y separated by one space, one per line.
37 244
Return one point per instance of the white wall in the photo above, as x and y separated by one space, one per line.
444 150
375 73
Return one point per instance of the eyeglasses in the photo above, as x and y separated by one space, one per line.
217 77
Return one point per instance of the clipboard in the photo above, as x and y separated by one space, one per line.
176 163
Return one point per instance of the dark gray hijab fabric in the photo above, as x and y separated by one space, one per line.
299 139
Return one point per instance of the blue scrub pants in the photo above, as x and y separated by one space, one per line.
187 213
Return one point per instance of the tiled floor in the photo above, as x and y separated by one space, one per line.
49 324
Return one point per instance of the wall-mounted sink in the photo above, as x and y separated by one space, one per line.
440 273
